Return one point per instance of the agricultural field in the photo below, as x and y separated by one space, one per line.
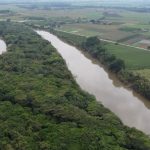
115 32
110 32
134 58
117 25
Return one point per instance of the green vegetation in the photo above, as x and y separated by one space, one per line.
5 11
103 31
134 58
41 106
143 72
95 48
70 38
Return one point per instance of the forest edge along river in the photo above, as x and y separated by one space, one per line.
133 110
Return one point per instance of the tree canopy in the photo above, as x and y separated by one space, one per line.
42 107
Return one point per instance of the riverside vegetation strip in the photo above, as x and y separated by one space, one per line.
42 107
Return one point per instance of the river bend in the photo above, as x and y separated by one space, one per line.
130 108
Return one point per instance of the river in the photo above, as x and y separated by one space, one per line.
2 46
133 110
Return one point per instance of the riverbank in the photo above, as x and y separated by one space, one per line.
136 82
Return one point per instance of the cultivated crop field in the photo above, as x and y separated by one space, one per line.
110 32
119 25
134 58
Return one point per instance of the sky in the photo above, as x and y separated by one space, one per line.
77 0
81 1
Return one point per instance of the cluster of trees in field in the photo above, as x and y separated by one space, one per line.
42 107
95 48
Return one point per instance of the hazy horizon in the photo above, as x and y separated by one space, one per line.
75 1
113 3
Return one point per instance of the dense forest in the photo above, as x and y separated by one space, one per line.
42 107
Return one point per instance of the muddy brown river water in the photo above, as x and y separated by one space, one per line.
133 110
2 47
